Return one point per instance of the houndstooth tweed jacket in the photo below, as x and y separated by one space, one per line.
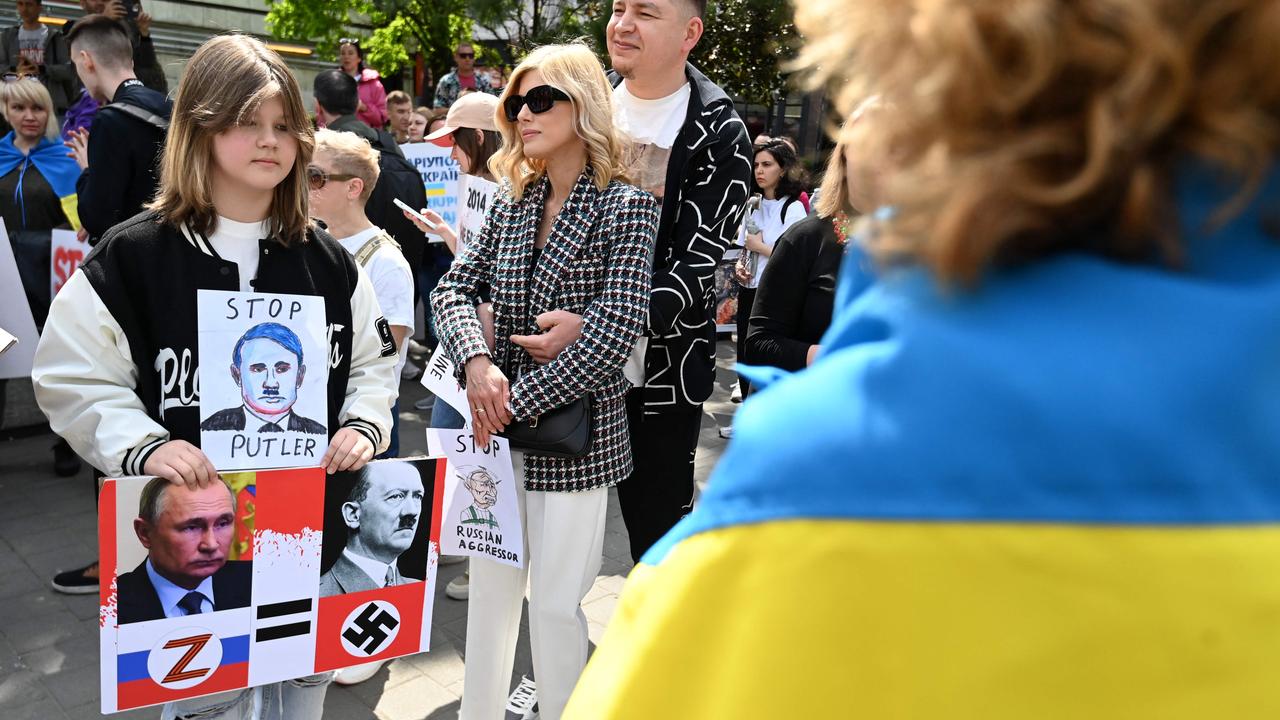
596 263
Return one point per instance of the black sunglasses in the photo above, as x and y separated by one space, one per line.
467 56
317 177
539 100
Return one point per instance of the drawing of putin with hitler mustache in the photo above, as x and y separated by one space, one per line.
267 366
381 515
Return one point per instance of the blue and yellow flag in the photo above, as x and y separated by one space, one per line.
50 158
1054 496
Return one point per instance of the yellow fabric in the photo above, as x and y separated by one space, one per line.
827 619
71 208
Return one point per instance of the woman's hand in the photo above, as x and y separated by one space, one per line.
755 243
441 229
739 274
348 450
180 462
489 395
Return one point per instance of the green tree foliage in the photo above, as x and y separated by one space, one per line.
746 46
433 27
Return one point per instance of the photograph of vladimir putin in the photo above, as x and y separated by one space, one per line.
267 366
187 534
381 514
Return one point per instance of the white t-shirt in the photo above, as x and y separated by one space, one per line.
238 243
392 284
651 126
772 225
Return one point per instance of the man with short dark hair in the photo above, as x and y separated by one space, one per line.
32 48
399 113
381 514
463 77
119 161
690 149
337 98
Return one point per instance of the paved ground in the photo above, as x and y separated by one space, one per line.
49 642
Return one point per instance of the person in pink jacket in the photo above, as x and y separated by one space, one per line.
373 97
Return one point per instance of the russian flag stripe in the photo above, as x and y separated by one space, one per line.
133 666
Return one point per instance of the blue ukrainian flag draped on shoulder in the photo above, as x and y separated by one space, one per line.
1055 496
50 158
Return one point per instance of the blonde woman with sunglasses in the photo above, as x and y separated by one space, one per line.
565 233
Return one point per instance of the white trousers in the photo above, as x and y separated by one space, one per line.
564 539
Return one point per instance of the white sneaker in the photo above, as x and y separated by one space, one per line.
357 673
523 701
451 560
726 432
459 588
418 348
410 371
736 395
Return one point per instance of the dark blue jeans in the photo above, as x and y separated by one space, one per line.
393 449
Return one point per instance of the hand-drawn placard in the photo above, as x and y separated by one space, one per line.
476 195
438 377
439 174
15 314
179 622
66 254
480 506
264 376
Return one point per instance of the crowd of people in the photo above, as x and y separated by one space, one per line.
1003 373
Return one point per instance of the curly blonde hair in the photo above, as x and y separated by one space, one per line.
1026 128
576 71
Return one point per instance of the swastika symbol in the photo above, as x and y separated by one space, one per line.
373 626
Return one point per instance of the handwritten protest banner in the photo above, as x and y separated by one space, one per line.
439 176
66 254
480 507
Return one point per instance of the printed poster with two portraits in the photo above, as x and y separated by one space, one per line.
281 571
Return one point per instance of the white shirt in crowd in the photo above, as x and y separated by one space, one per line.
238 243
651 127
392 284
772 224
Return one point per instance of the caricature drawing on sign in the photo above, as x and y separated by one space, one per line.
187 535
381 514
267 365
483 487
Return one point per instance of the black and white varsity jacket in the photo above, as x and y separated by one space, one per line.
705 195
116 370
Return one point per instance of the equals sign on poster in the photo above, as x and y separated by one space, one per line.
287 619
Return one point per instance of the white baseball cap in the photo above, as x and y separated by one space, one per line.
473 110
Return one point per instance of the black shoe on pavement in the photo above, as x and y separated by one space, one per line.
77 582
65 461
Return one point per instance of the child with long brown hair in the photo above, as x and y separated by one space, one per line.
116 370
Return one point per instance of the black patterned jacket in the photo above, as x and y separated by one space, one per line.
708 182
596 264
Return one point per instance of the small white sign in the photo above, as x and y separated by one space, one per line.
15 315
481 515
264 376
476 195
439 378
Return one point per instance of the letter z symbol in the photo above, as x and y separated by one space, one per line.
194 645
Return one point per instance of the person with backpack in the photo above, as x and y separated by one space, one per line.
778 182
118 162
337 98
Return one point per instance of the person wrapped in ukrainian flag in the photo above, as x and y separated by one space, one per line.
1035 469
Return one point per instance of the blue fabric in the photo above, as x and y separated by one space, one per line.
1075 389
445 417
49 157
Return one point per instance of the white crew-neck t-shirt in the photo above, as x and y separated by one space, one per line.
238 243
651 126
392 284
772 225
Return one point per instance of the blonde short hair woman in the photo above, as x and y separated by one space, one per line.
1033 471
564 234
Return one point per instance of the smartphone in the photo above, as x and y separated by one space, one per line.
403 206
131 8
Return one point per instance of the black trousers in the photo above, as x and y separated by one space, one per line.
659 490
746 298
